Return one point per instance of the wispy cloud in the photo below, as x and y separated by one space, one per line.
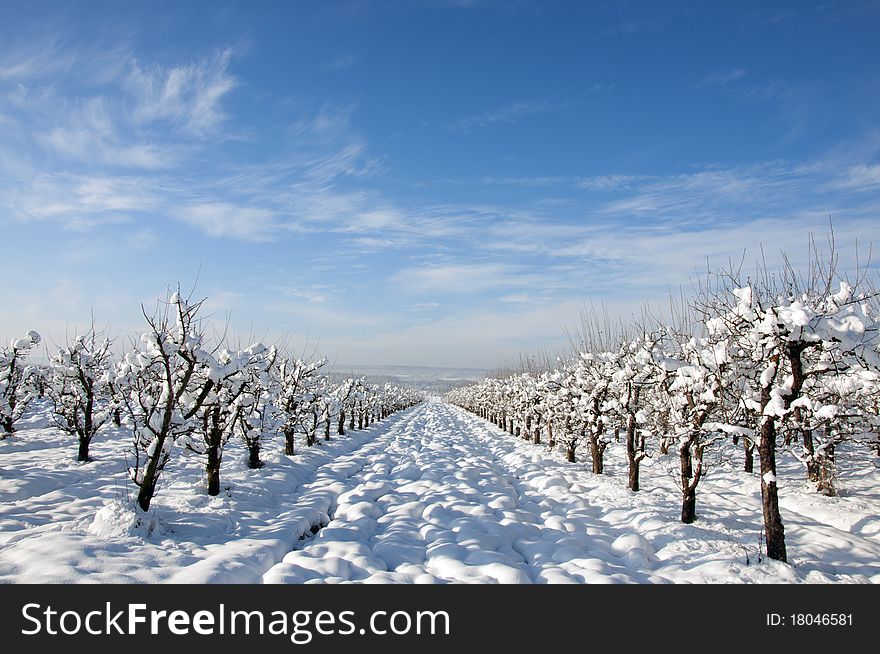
721 77
342 62
772 90
224 219
594 183
861 177
40 57
309 293
23 61
99 105
695 195
610 182
550 180
87 131
508 114
636 26
80 201
187 95
456 279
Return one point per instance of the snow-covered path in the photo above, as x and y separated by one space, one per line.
446 501
431 495
454 499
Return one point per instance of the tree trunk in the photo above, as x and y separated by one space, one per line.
311 436
83 453
88 426
632 452
749 451
688 489
537 436
810 454
289 438
632 449
254 461
327 429
148 483
212 468
341 429
360 419
569 451
774 531
826 469
551 439
688 505
597 451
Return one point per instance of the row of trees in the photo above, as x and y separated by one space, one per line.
784 362
174 389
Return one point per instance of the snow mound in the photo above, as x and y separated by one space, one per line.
124 519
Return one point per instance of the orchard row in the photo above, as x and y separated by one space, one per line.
768 366
173 388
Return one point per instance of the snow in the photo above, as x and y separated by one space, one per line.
431 495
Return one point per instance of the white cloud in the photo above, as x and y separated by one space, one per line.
457 279
692 195
24 61
188 95
225 219
610 182
862 177
87 130
376 219
80 201
509 114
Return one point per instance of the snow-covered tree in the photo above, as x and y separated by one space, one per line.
592 375
79 385
260 418
785 336
230 380
696 378
297 381
161 389
343 400
18 381
634 386
316 411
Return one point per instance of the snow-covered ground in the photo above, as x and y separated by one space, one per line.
432 494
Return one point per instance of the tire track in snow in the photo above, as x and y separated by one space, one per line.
313 503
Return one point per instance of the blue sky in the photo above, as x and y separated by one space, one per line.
434 182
